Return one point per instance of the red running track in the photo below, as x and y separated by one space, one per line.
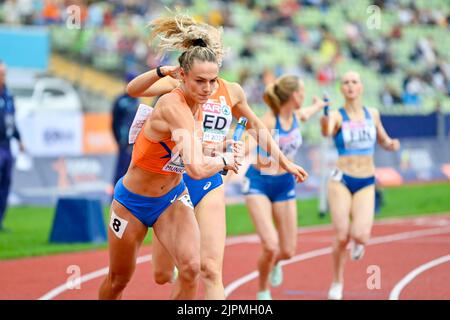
412 255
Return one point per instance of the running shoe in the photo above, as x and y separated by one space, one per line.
276 275
264 295
174 275
335 292
357 251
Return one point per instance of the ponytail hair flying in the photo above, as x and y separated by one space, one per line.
197 40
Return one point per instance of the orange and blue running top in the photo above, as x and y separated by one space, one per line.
157 156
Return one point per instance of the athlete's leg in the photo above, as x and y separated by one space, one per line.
122 252
178 232
362 213
260 209
285 216
162 262
340 200
210 213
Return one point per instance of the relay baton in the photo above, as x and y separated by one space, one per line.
326 109
237 135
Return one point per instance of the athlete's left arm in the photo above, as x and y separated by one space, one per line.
260 132
307 112
383 138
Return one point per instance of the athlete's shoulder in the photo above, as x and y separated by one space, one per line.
171 104
374 112
232 87
235 91
169 99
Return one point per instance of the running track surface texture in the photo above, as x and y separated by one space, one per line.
411 257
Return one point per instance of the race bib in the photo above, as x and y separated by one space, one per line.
186 200
175 164
290 144
142 113
336 175
358 135
245 185
117 225
217 120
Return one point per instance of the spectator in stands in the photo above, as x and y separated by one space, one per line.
386 61
123 112
248 51
113 37
390 96
11 12
412 88
96 15
8 130
329 47
396 32
425 50
51 12
326 75
307 65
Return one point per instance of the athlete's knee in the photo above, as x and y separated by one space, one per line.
189 270
118 281
271 249
163 276
287 253
211 270
342 239
361 236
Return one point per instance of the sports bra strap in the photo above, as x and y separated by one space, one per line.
367 114
344 114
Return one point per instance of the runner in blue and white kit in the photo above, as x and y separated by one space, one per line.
269 190
351 190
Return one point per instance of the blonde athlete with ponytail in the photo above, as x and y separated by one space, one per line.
270 190
227 101
152 193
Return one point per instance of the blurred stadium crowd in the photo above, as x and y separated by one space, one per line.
403 59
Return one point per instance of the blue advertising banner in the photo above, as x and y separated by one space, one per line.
447 126
411 126
25 47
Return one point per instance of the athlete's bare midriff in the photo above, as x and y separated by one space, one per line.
357 166
149 184
269 166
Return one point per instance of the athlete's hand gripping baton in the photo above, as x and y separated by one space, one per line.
326 109
237 135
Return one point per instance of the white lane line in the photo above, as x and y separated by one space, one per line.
142 259
395 293
323 251
253 238
87 277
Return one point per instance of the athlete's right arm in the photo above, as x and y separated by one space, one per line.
330 124
268 119
182 127
149 84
